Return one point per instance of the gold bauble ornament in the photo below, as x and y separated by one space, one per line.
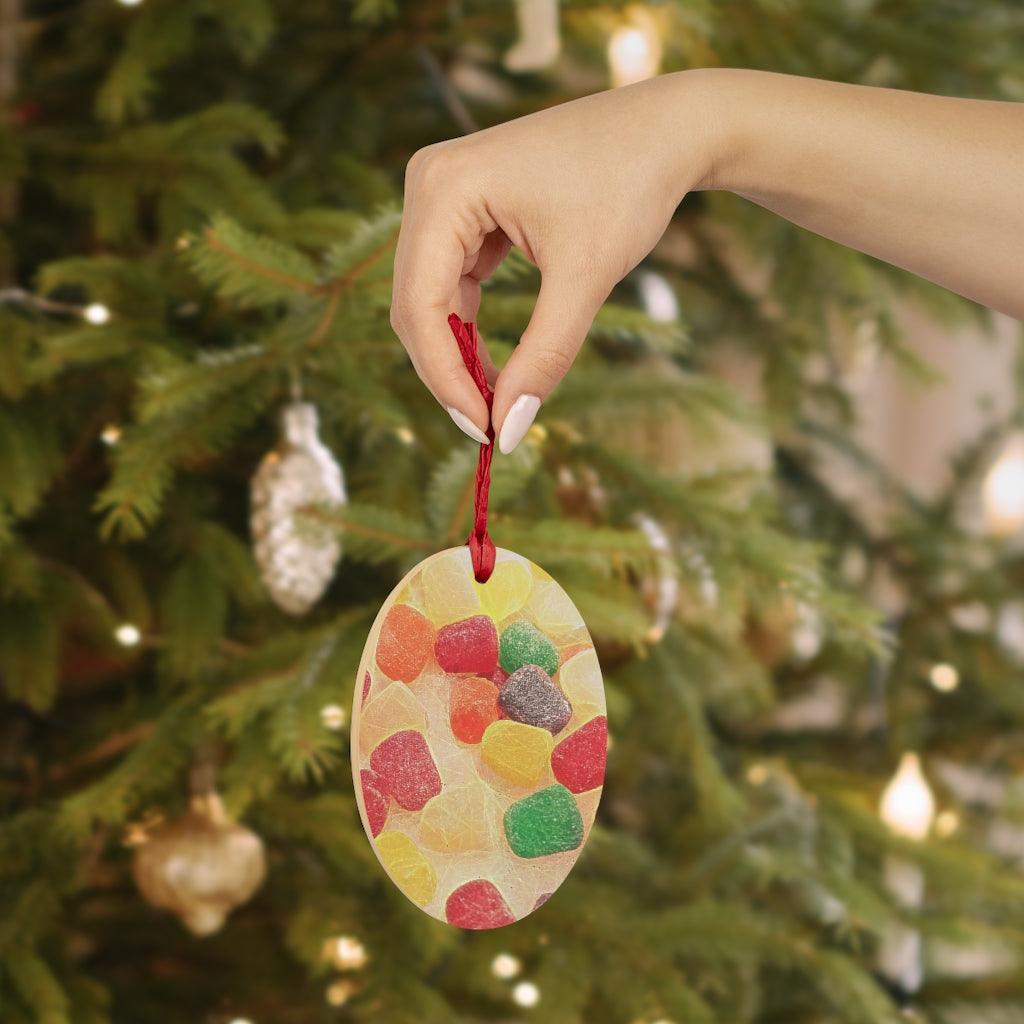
200 866
296 557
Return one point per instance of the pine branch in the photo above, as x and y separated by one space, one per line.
373 534
253 270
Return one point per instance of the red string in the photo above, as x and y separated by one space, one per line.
481 547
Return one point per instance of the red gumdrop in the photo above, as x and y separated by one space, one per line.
375 800
367 683
498 677
406 768
578 761
477 904
404 644
470 645
472 706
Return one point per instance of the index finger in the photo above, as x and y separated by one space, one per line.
434 245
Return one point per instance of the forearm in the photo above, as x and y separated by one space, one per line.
932 184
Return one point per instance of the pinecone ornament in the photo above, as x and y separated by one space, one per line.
296 555
200 866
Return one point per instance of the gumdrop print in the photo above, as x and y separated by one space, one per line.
479 738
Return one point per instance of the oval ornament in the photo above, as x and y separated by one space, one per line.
479 738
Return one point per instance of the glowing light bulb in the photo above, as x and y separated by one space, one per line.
127 635
526 994
337 994
333 717
1003 491
129 3
505 966
96 313
659 301
907 805
348 953
634 53
110 434
944 678
947 823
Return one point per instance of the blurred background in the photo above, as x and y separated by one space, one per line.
784 484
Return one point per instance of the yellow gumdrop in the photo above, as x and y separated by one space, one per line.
553 612
460 820
507 590
517 752
449 592
411 871
580 680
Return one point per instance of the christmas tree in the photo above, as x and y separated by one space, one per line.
216 462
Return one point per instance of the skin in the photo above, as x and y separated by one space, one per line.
586 189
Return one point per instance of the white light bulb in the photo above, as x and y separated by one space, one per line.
333 717
129 3
907 805
659 301
944 678
110 434
127 635
1003 491
96 313
348 953
633 54
505 966
526 994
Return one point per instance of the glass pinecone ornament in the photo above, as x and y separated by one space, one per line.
200 866
296 555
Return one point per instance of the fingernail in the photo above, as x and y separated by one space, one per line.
517 422
467 426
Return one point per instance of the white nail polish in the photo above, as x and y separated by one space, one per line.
467 426
517 422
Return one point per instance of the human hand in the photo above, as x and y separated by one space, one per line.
584 190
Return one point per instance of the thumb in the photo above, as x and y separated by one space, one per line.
563 314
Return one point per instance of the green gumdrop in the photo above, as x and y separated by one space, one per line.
543 823
522 643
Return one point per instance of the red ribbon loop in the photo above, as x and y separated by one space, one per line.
481 547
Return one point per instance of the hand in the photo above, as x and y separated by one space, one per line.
584 189
929 183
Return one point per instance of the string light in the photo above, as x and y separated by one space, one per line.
634 51
757 774
348 953
96 313
337 993
333 717
659 301
526 994
127 635
110 434
129 3
1003 490
505 966
947 823
944 678
907 805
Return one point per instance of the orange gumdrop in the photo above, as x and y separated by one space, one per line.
473 705
405 643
